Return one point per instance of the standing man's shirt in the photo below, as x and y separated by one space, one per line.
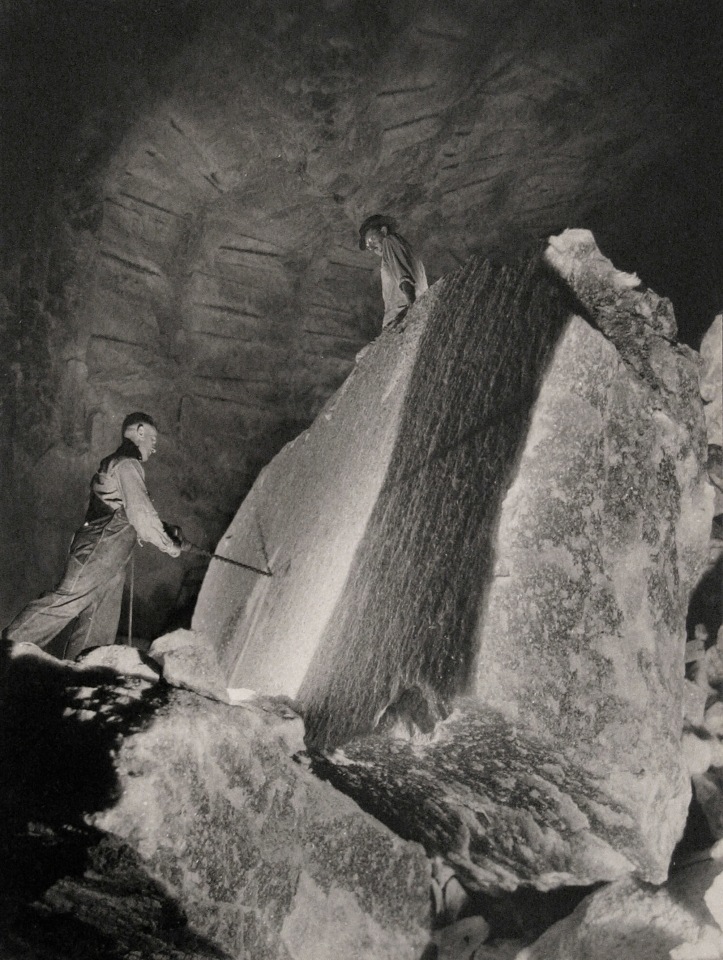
399 262
122 484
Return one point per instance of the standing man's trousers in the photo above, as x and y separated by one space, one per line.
89 592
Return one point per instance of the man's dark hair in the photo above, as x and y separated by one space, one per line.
134 419
376 222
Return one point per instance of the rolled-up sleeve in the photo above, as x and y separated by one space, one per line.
140 511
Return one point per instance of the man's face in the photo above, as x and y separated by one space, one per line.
144 436
373 239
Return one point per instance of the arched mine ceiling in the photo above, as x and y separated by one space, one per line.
183 181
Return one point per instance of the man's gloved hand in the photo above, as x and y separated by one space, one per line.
176 534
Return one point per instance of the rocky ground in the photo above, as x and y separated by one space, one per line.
106 791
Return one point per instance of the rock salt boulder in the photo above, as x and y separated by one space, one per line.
461 940
694 700
486 542
189 661
677 921
264 859
126 660
708 786
714 663
501 805
133 814
713 719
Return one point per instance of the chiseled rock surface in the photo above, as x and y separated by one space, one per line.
680 920
502 806
266 861
503 509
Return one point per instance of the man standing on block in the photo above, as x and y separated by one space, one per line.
119 514
403 275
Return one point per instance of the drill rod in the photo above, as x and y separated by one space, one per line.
236 563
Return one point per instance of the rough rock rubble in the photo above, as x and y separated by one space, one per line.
681 920
187 862
243 848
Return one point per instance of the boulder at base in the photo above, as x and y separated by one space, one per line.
138 819
492 530
628 919
265 860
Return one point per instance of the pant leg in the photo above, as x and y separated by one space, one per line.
97 625
99 553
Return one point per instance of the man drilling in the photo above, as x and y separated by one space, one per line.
119 514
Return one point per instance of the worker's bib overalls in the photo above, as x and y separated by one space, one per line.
91 588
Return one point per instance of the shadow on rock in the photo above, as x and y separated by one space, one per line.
57 736
67 890
706 602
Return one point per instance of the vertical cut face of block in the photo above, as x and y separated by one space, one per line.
378 521
403 635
